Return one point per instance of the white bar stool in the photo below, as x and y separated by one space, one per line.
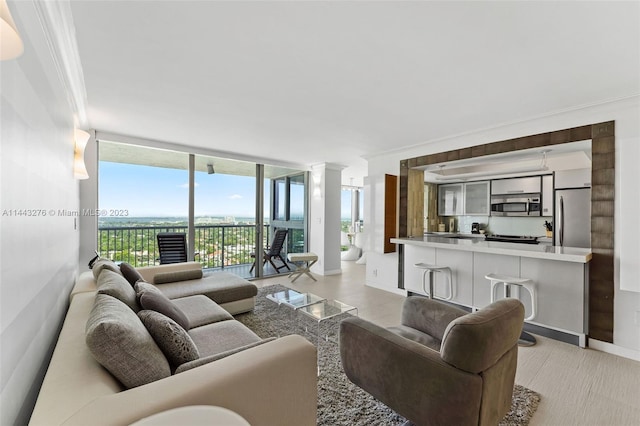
431 270
526 339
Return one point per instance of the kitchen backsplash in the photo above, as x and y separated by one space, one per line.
533 226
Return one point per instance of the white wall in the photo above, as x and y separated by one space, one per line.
626 114
38 254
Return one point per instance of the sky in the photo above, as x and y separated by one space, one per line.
145 191
156 191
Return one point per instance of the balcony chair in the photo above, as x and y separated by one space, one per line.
442 365
173 247
273 251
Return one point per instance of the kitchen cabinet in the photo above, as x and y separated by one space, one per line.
524 185
450 199
547 195
476 198
577 178
471 198
560 288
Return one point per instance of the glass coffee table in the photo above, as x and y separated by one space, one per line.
294 299
325 310
316 308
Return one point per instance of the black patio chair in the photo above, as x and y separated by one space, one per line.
173 247
273 251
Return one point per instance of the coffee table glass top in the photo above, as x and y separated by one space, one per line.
326 309
294 299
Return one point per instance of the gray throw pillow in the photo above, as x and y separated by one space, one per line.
160 303
142 286
172 277
102 264
120 343
115 285
173 340
130 273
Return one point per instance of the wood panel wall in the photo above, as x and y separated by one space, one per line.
415 203
601 267
432 225
390 211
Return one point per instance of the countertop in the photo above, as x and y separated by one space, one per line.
478 244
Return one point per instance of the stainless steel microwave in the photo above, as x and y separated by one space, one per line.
512 205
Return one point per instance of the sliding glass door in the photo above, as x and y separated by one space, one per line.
228 209
289 209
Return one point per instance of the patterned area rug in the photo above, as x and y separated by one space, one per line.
340 402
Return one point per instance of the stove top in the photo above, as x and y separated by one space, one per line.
512 239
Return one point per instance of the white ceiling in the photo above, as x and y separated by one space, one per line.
312 82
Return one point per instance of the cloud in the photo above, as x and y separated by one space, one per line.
186 185
235 197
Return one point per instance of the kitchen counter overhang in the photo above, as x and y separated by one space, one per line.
560 274
540 251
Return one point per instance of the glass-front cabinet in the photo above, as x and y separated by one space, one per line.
476 198
469 198
450 199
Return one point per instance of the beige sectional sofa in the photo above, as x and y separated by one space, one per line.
268 382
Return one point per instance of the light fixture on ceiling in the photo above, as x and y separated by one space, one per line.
11 45
512 170
79 168
210 169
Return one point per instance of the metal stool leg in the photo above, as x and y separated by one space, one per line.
447 273
424 284
525 339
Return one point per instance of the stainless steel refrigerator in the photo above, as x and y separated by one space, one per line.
572 218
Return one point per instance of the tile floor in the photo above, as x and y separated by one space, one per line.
578 386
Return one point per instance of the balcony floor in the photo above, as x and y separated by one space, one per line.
243 270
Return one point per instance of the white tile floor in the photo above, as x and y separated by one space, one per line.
578 386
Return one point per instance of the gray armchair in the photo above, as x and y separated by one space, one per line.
442 365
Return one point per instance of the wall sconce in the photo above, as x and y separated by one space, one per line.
10 42
210 169
317 184
79 169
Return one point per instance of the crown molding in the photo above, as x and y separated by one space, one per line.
57 24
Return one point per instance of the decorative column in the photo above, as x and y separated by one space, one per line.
324 217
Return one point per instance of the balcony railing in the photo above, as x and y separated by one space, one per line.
216 246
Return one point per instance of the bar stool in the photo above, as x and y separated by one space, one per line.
431 270
526 339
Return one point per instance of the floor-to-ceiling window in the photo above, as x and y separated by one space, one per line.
289 207
351 209
152 189
224 212
143 192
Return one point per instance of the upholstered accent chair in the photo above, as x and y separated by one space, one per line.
441 365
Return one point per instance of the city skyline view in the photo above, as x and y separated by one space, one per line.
147 192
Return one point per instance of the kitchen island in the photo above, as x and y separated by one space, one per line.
560 275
